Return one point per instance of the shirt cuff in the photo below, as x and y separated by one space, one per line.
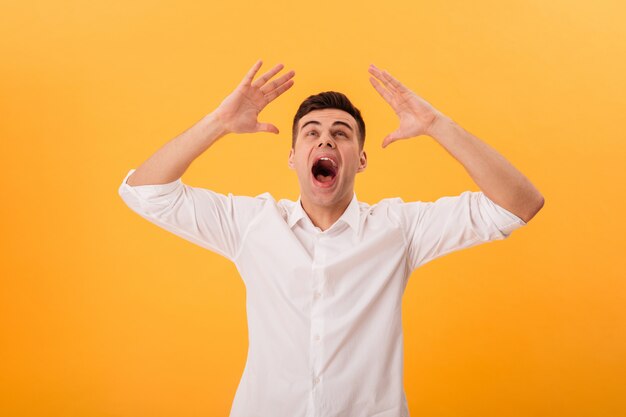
147 190
505 220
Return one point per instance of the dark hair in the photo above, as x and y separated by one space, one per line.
328 100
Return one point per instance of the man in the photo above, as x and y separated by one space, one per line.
325 275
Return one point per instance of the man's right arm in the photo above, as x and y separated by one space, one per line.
212 220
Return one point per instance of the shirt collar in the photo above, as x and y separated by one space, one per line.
350 216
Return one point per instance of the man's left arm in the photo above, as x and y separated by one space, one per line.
497 178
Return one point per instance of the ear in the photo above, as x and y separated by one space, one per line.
362 162
290 161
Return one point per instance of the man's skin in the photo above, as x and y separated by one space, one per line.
319 133
238 113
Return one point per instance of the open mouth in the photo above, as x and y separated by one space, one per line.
324 172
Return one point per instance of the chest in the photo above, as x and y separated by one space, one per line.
345 264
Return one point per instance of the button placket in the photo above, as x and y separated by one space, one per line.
317 319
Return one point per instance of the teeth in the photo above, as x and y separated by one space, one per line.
323 158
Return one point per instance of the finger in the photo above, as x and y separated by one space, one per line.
247 79
278 91
267 88
374 70
266 127
388 139
385 94
269 74
379 75
397 84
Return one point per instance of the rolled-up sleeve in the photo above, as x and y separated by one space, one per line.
209 219
433 229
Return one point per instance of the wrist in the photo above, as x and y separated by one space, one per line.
215 124
440 124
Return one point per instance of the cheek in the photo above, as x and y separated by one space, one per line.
300 164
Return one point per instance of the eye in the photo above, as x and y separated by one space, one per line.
341 132
311 131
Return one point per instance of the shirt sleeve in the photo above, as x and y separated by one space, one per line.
209 219
434 229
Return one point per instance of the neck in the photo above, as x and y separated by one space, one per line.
324 216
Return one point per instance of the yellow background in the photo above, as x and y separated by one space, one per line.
104 314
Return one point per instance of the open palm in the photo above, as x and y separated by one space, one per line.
416 115
240 110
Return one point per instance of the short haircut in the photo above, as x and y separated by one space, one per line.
328 100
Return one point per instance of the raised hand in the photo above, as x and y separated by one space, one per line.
416 115
239 111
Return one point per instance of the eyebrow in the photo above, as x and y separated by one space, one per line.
335 123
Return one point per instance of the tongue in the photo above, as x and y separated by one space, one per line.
324 178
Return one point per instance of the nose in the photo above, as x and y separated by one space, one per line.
326 141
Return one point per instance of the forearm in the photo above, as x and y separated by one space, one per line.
172 160
494 175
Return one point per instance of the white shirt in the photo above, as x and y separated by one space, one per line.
323 307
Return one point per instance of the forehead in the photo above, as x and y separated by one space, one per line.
327 117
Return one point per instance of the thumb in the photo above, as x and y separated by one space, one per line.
266 127
388 139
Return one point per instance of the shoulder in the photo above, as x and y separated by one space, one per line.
386 205
257 202
263 198
385 211
285 207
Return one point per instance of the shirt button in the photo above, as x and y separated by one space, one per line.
316 380
317 337
317 295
